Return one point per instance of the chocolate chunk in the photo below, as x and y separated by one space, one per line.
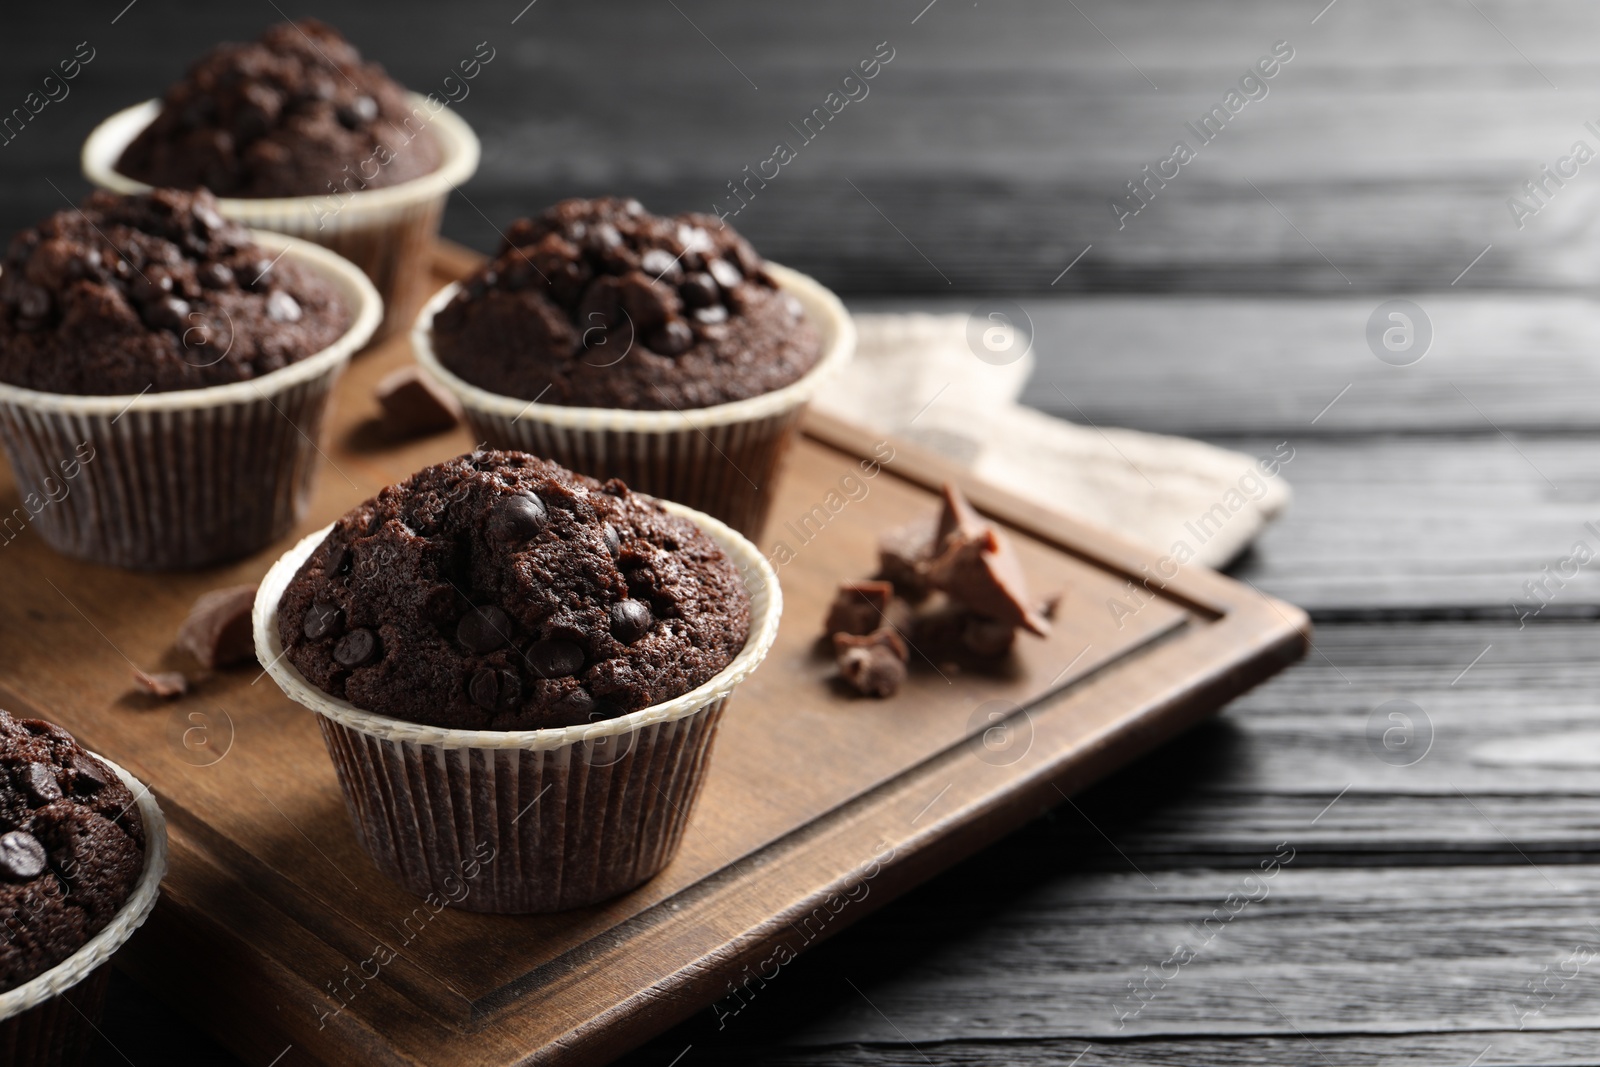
574 705
40 782
555 659
518 518
356 649
484 629
164 684
359 112
904 553
874 665
89 775
322 620
22 857
698 290
630 620
984 573
414 404
217 629
281 307
673 338
859 607
495 691
613 541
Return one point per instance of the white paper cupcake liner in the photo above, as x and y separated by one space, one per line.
526 820
388 232
722 460
49 1019
185 478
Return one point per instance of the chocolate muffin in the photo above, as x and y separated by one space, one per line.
297 113
155 292
71 847
597 303
498 591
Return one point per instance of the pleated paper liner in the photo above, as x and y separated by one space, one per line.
186 478
49 1020
528 820
722 460
389 232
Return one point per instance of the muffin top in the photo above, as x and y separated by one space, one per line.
498 591
71 847
297 113
155 292
597 303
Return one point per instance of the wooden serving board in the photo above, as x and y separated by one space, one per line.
276 932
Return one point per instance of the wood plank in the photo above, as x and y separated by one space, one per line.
994 144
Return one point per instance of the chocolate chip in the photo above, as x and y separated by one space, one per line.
613 541
672 339
258 275
362 110
555 659
337 562
281 307
484 629
441 605
323 620
712 315
649 303
216 276
575 704
167 313
516 519
726 274
149 288
217 630
630 620
698 290
356 649
601 303
32 301
22 858
495 691
660 264
40 782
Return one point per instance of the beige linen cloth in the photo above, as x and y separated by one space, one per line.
914 376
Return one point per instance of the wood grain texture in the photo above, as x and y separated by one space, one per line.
986 154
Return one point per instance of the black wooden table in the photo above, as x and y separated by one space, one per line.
1429 898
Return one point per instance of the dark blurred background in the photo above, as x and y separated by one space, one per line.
985 156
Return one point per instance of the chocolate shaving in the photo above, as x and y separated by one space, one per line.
872 664
414 405
164 684
217 631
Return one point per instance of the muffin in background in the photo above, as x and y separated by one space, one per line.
662 351
495 630
297 133
163 376
288 115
